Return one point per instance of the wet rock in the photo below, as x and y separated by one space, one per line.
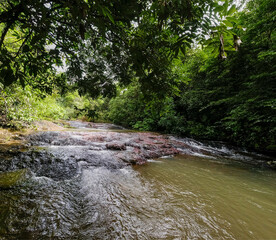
137 146
97 147
12 179
116 146
133 144
42 138
42 163
132 158
148 146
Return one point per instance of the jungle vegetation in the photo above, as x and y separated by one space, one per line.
202 69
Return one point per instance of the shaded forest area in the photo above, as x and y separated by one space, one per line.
202 70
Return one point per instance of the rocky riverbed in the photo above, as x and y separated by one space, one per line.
62 153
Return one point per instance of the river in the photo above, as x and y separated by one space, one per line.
79 184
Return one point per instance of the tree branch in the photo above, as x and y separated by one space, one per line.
4 33
11 16
25 40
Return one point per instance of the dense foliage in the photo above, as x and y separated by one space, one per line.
232 99
20 107
103 42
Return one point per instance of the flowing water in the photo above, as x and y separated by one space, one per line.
188 196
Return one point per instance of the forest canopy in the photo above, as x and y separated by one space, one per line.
103 42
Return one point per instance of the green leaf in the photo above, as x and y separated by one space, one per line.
232 10
227 23
219 8
107 13
183 50
232 19
225 6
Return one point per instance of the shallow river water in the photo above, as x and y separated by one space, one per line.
180 197
214 200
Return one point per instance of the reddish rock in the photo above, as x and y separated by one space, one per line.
116 146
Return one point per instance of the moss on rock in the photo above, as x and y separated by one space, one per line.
11 179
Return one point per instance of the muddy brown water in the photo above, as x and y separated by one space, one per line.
78 190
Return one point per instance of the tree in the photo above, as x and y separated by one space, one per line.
229 99
140 35
234 99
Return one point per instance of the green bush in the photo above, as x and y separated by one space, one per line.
20 106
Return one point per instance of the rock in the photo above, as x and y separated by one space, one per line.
149 146
132 158
11 179
116 146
